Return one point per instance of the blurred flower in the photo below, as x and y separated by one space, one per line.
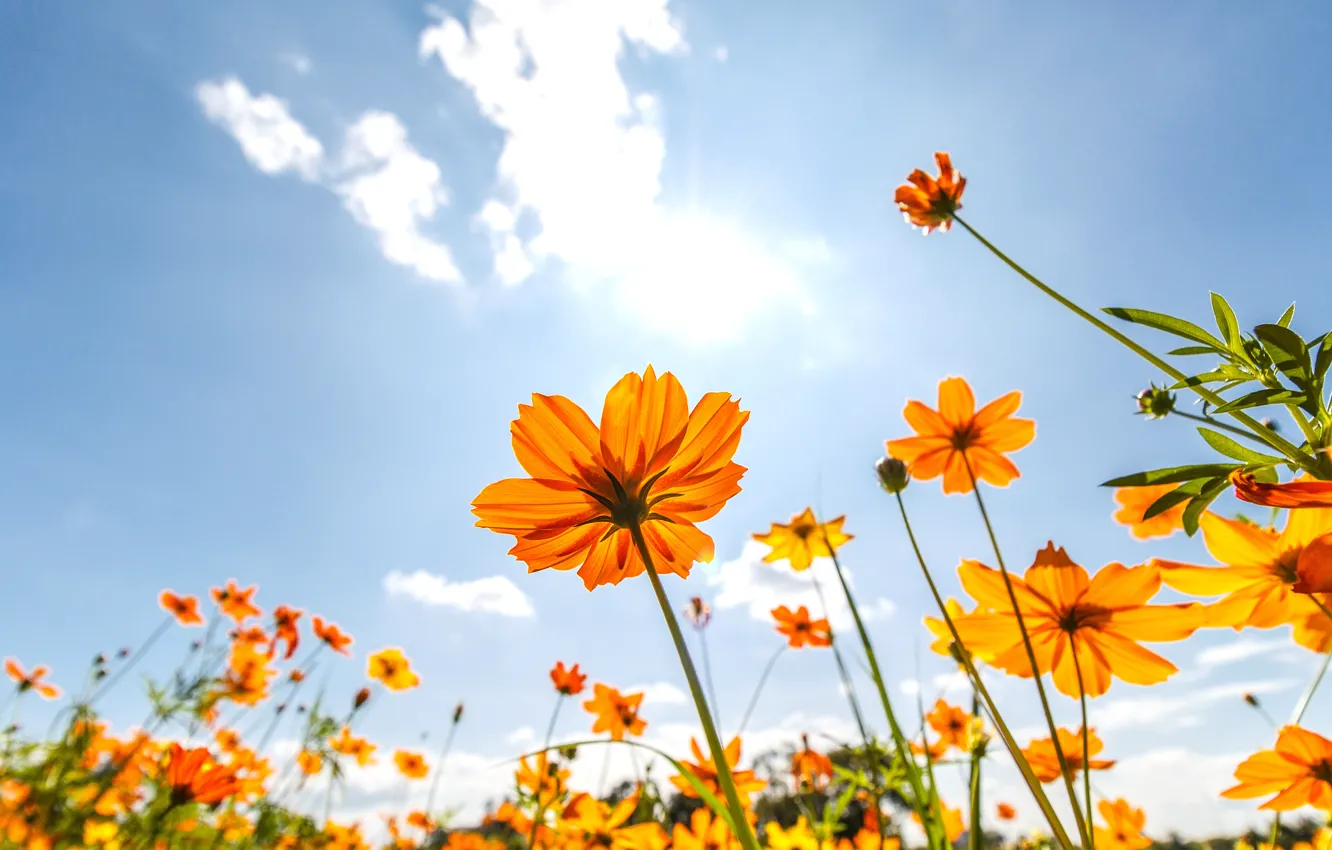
296 675
348 744
1298 771
943 638
248 674
931 202
698 613
235 602
1123 827
596 824
803 540
333 637
31 681
799 629
810 769
652 464
545 779
932 751
1305 493
957 434
952 724
228 740
568 682
1087 628
703 833
411 765
952 821
1134 502
705 771
391 668
1040 754
284 629
1156 403
184 608
310 762
193 776
893 474
1005 812
616 713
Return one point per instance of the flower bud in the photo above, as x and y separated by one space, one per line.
123 653
457 712
1251 700
1270 424
893 475
1156 403
361 698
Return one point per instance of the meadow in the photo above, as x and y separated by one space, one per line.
622 498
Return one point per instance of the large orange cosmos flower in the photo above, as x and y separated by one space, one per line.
705 771
1123 826
616 713
1074 620
931 202
1260 569
652 464
194 776
568 682
31 681
235 601
803 540
799 629
1040 754
1305 493
1134 502
1298 771
957 434
184 608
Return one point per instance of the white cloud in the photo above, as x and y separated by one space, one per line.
578 177
493 594
749 582
298 62
658 693
1241 649
1178 710
520 736
721 54
270 138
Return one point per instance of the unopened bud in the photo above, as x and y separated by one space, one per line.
99 660
282 706
1156 403
361 698
1251 700
300 709
99 674
1270 424
893 475
457 712
124 652
196 646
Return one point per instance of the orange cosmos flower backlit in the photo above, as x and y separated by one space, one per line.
931 202
349 745
1134 502
952 723
616 713
1123 826
235 602
1305 493
811 769
803 540
411 765
651 463
31 681
1298 771
391 668
184 608
310 762
1075 621
568 682
195 777
1005 812
284 629
703 833
957 434
705 771
1040 754
333 637
799 629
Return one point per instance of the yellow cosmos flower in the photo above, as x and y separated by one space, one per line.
803 539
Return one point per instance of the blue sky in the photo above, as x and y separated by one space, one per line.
274 277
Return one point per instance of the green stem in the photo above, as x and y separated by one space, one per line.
740 823
976 836
1210 422
1265 434
133 659
1309 435
545 756
1086 749
1309 692
758 689
707 674
964 657
1083 825
439 763
842 672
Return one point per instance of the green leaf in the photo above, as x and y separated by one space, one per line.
1257 398
1324 356
1288 351
1182 493
1169 324
1228 447
1192 349
1200 502
1224 372
1226 321
1284 321
1173 475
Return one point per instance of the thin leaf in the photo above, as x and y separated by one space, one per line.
1288 351
1284 321
1224 372
1169 324
1228 447
1258 398
1200 502
1192 349
1180 494
1173 475
1226 321
1324 356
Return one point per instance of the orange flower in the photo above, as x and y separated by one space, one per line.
1005 812
1305 493
296 675
1083 630
958 435
616 713
349 745
253 635
705 771
933 752
943 638
195 777
1260 568
799 629
931 202
284 629
1040 754
228 740
544 779
952 822
411 765
811 769
333 637
652 465
1298 771
601 825
184 608
33 681
391 668
235 602
420 820
803 540
310 762
1313 630
1123 827
704 833
568 682
1134 502
248 675
952 723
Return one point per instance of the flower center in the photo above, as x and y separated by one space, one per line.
1283 567
963 435
1084 617
802 530
1322 771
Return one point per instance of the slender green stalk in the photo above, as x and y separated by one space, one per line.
1086 750
1033 784
933 828
1083 825
976 836
758 689
707 673
842 672
439 763
545 756
1303 705
1265 434
740 823
133 659
1212 423
1298 416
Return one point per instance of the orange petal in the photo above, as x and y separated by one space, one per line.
517 505
554 438
926 422
957 404
642 424
1315 566
1296 494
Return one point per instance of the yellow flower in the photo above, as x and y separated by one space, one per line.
391 668
803 540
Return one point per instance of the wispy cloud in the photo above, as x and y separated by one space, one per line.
1241 649
493 594
1179 711
270 138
